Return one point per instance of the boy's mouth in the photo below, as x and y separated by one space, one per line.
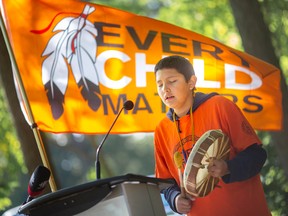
169 97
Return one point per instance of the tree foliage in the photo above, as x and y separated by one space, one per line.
74 155
273 178
276 16
11 158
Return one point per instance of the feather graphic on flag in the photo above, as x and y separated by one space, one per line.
81 52
74 44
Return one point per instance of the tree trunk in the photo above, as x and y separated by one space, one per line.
257 42
24 132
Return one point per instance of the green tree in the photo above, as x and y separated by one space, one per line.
212 18
11 158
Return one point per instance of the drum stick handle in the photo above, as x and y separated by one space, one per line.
183 193
178 163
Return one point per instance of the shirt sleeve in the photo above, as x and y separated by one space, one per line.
170 194
246 164
161 164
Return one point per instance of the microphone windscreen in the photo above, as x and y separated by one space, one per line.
38 180
128 105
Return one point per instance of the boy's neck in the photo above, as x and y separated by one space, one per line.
186 109
181 114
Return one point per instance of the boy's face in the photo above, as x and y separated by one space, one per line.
174 90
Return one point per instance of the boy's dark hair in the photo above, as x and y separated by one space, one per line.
181 64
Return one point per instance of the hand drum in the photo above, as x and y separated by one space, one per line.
212 145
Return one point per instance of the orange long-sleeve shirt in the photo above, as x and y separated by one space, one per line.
237 199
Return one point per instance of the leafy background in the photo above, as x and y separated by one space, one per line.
73 155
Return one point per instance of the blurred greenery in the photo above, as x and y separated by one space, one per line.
74 154
273 178
11 158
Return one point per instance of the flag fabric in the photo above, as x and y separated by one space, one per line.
79 62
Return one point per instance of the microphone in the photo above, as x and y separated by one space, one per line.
128 105
38 182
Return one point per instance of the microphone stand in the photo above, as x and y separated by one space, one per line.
98 172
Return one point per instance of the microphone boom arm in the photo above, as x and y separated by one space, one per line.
98 171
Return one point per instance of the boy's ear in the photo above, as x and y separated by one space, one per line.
192 82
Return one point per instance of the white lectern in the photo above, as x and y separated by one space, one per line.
127 195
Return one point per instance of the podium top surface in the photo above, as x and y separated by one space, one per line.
101 187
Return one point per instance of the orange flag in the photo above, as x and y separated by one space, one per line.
79 62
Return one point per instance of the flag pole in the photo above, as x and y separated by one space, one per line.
30 116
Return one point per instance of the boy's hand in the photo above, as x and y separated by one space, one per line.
183 204
218 168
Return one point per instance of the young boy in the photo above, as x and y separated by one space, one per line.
240 190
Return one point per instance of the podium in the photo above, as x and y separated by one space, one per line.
127 195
